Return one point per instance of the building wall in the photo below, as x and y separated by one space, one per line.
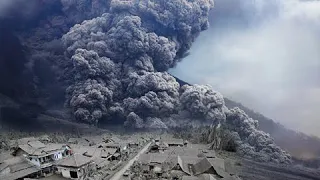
34 161
20 152
65 173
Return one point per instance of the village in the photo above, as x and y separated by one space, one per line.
114 157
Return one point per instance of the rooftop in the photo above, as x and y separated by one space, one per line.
4 156
37 148
76 160
21 141
18 168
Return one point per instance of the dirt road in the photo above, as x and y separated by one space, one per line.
118 175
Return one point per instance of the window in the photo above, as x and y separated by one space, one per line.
73 174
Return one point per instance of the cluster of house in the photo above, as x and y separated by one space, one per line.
177 159
37 157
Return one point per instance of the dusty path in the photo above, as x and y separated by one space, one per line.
118 175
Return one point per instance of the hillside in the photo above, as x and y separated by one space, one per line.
298 144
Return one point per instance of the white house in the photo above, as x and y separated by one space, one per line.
75 167
43 155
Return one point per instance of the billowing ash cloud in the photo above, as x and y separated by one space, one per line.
203 101
264 54
252 142
118 59
117 65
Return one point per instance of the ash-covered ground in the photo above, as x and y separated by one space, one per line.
105 62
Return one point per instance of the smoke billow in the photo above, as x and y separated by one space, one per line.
119 58
119 62
114 65
252 142
259 49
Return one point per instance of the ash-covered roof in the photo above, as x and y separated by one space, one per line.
205 164
4 156
173 141
16 142
18 168
99 152
76 160
37 148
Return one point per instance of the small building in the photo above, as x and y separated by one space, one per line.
18 168
174 142
207 154
157 139
109 154
115 157
43 155
158 147
111 139
153 162
101 163
133 144
75 167
120 147
80 141
154 148
93 140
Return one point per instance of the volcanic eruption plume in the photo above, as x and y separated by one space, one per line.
115 68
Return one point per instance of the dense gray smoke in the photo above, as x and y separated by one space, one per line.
252 142
119 61
203 101
114 62
119 58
